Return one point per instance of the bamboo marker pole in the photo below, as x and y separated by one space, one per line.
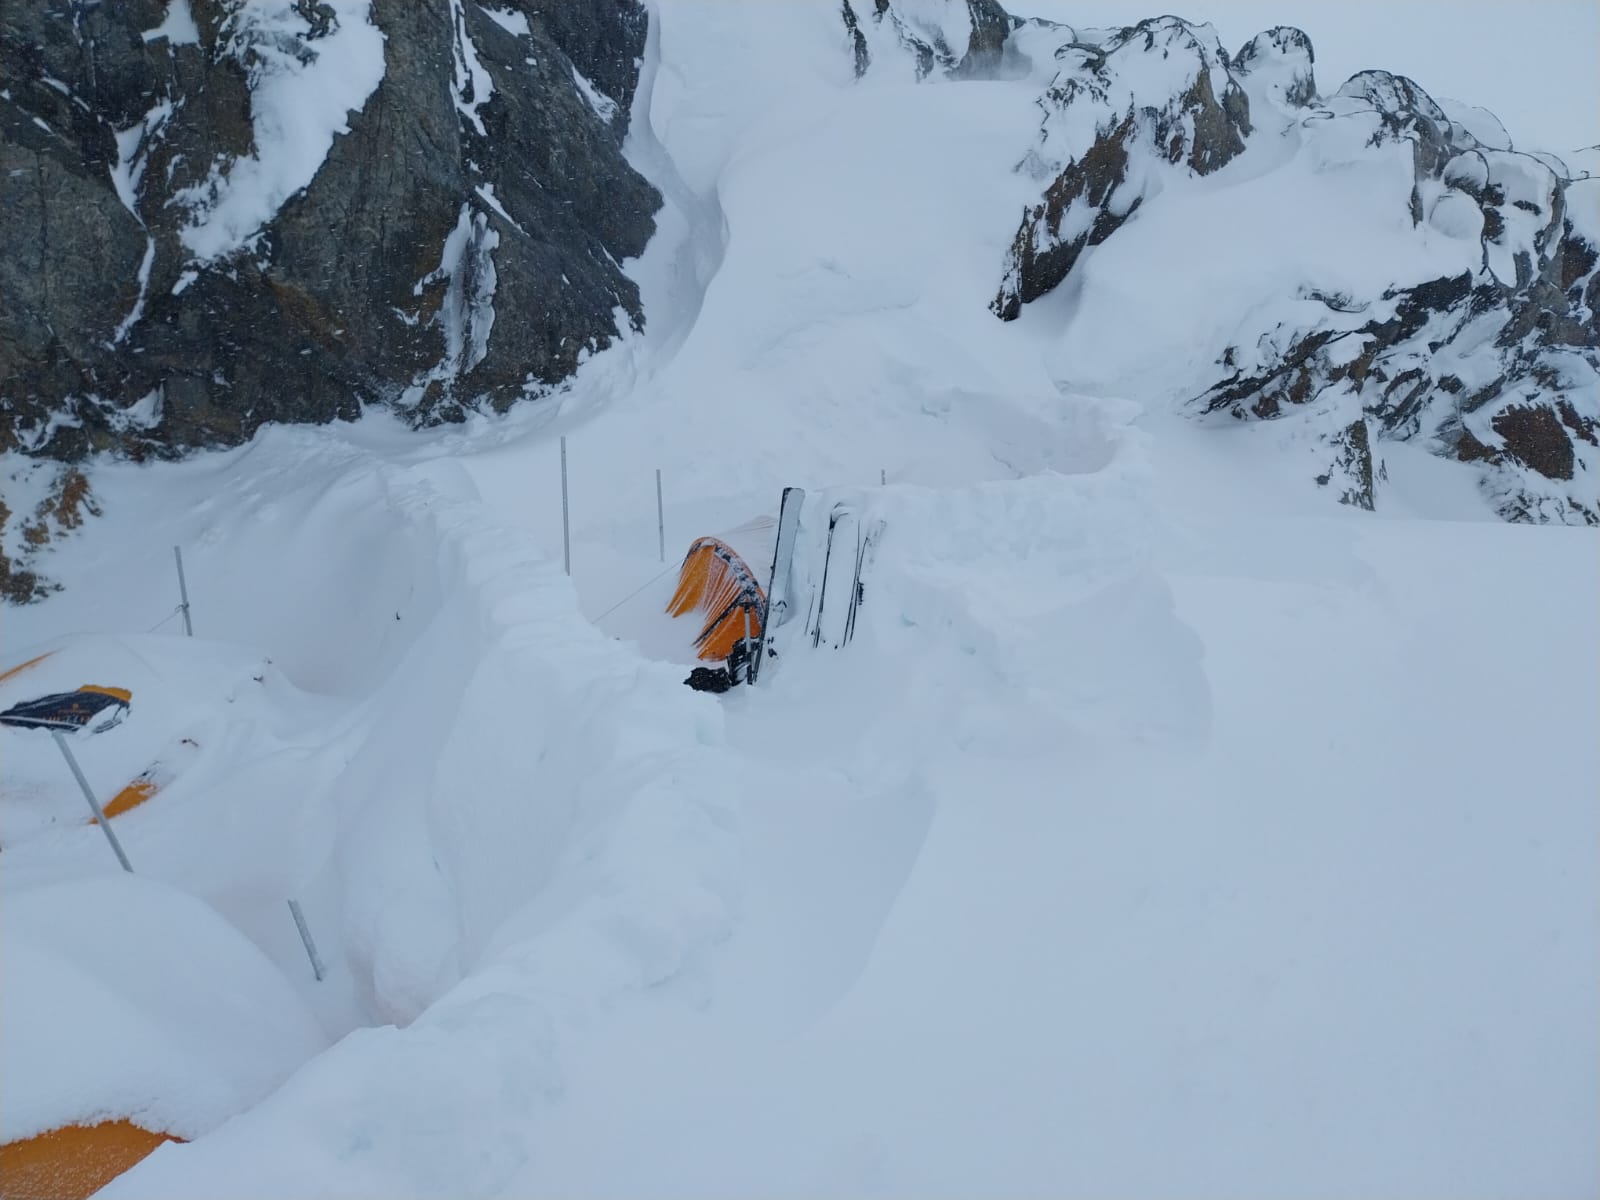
566 534
94 805
183 592
305 940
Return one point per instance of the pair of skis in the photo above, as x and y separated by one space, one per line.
848 552
831 616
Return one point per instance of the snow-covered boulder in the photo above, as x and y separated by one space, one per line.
1498 366
1119 116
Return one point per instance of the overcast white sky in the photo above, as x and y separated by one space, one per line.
1534 63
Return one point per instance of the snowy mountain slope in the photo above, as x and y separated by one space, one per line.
1159 800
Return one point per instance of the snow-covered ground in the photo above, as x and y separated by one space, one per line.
1167 828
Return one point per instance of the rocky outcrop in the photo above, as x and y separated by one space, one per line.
228 212
1283 60
1497 366
1355 471
960 38
1108 135
50 502
1500 366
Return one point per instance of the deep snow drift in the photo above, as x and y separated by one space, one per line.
1166 828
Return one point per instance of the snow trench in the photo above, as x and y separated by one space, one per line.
531 822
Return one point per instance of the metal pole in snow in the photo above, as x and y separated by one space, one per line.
566 536
183 591
661 519
94 805
305 937
748 656
883 477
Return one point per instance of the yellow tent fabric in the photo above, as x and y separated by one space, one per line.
23 666
714 580
115 693
135 794
73 1162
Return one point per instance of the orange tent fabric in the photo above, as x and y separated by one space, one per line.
21 667
115 693
74 1161
714 580
135 794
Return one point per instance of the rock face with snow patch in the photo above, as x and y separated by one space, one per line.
961 38
228 212
1154 98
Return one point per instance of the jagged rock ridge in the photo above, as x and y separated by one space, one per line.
1497 366
960 38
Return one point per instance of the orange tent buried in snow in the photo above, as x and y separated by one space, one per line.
74 1161
716 581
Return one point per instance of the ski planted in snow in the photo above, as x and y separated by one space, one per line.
864 548
778 583
846 558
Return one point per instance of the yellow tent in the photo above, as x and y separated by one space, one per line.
714 580
73 1162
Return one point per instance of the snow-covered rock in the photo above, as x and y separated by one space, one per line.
959 38
1281 58
1480 341
1120 115
1498 365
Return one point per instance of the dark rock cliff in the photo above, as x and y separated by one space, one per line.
455 244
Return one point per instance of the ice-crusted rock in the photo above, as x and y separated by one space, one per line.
228 212
1120 114
1498 366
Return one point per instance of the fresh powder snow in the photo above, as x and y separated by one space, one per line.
1166 828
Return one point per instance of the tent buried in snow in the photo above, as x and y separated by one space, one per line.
74 1161
715 581
90 708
